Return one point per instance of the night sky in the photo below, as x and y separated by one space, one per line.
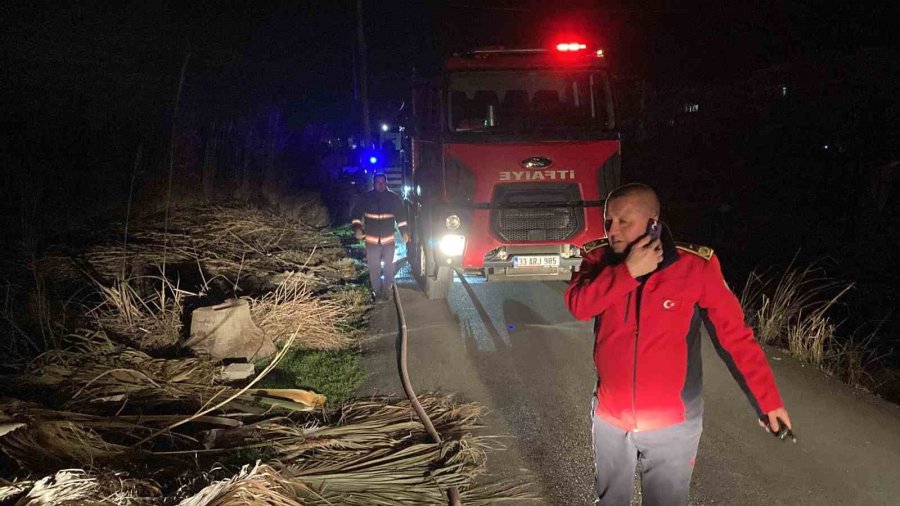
303 52
85 83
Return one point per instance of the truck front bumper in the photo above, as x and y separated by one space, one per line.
504 270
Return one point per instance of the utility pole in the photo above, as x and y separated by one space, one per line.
361 72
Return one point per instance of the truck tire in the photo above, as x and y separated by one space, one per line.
413 254
435 280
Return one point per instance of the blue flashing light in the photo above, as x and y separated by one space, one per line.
371 158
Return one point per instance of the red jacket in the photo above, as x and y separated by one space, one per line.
647 344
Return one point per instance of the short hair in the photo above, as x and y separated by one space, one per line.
378 175
636 190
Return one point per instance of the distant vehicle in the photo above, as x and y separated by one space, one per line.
513 152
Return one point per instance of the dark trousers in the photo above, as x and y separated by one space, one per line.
666 459
376 254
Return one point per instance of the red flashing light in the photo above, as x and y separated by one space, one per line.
570 46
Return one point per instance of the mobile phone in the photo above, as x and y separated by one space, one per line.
653 229
785 434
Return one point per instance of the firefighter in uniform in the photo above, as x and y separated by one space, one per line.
374 217
648 297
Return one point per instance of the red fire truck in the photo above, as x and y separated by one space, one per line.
512 154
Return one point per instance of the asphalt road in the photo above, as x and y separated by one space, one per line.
514 348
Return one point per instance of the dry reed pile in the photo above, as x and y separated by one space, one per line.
278 312
231 241
105 419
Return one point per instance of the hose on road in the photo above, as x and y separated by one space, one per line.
452 492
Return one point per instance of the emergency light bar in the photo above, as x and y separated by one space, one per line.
570 46
504 51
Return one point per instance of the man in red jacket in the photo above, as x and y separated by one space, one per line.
649 296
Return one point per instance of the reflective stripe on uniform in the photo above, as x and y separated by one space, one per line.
373 216
374 239
401 224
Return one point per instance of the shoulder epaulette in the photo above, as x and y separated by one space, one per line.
703 252
591 246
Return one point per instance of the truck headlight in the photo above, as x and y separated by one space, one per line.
452 245
452 222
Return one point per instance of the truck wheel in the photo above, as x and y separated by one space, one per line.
438 287
436 280
415 257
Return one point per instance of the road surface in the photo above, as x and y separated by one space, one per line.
514 348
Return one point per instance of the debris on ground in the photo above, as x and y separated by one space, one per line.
129 402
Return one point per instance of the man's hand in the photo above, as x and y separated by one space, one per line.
359 234
644 256
405 238
773 417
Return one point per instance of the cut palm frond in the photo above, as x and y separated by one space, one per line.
257 485
75 487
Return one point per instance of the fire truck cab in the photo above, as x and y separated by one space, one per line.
512 154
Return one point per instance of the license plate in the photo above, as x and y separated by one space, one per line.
536 261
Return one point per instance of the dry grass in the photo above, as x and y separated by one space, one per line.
151 322
96 376
229 240
94 369
857 360
811 337
15 343
357 298
792 312
233 243
772 305
39 307
293 306
154 322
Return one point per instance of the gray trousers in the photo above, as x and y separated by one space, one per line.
666 459
375 255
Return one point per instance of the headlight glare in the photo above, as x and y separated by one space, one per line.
452 245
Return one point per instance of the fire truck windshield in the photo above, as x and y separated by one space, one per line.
532 102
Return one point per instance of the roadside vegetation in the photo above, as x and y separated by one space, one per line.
101 402
799 310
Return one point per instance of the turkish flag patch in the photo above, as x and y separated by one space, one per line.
671 304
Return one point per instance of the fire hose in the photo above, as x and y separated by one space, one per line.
452 492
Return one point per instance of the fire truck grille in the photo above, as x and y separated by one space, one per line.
526 213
